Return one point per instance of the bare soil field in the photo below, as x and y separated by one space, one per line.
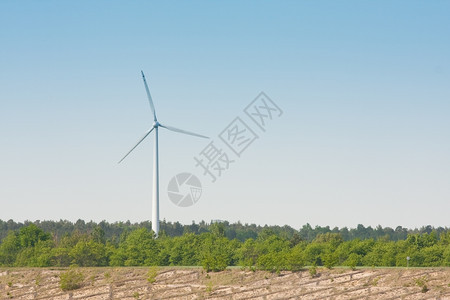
194 283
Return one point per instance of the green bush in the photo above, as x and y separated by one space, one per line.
72 279
215 253
295 259
329 259
352 261
152 273
313 271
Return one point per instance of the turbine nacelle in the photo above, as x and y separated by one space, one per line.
156 124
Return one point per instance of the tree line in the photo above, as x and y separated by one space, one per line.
210 246
239 231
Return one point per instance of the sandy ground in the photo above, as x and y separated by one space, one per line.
194 283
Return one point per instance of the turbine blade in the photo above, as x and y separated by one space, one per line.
183 131
149 97
146 134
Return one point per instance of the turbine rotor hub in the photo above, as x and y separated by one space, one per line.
156 124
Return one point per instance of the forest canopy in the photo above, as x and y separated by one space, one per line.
217 245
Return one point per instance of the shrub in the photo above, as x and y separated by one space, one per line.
72 279
329 259
209 287
215 254
151 275
313 271
352 261
273 262
295 259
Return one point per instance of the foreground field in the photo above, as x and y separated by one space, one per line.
194 283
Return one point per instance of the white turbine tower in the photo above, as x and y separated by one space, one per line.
155 126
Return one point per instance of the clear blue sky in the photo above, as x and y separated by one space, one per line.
364 87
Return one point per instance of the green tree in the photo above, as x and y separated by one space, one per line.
422 240
185 250
247 254
9 248
37 256
313 254
273 251
88 253
30 235
433 256
446 254
273 261
98 235
295 260
216 252
139 249
381 254
353 260
60 257
329 258
330 242
332 239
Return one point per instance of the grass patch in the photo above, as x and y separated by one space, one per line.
38 279
209 287
107 275
422 283
375 281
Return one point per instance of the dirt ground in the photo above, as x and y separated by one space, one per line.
194 283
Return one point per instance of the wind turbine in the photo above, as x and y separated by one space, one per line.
155 127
